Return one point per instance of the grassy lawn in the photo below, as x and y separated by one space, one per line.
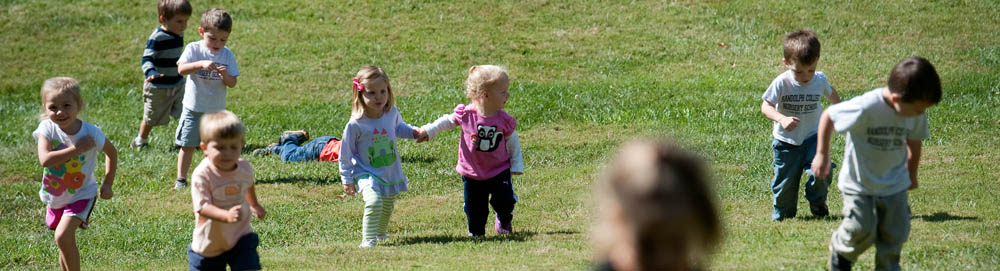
585 77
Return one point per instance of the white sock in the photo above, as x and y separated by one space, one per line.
140 139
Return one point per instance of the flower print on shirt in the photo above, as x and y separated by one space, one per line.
64 177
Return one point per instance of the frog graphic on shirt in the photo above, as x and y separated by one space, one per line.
382 152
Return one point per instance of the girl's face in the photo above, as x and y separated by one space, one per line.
496 95
61 108
374 97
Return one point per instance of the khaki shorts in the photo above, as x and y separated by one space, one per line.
159 104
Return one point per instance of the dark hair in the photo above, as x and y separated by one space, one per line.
216 19
802 47
916 80
170 8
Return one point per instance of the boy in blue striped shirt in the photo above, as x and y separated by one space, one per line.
163 90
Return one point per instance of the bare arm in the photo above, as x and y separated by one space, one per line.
49 158
821 162
110 168
913 148
191 67
834 97
254 204
787 122
228 80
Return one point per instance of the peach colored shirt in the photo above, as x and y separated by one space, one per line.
209 185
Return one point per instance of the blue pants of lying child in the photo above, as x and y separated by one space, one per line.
292 149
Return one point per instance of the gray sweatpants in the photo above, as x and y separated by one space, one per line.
883 221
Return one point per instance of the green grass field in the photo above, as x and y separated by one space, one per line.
586 77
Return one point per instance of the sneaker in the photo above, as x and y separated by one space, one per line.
502 228
838 262
266 150
303 136
368 243
180 184
819 209
382 237
471 235
138 143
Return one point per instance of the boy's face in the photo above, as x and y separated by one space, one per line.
803 72
909 109
223 153
175 25
215 39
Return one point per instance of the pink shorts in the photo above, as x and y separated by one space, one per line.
80 209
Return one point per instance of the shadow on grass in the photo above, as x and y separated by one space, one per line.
562 232
444 239
417 158
299 180
943 216
831 217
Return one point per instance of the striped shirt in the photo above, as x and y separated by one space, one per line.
160 57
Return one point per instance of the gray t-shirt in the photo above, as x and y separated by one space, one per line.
875 153
796 100
204 91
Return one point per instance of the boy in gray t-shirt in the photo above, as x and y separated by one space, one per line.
884 129
792 102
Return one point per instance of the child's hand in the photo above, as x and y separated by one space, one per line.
350 189
207 65
259 211
233 214
420 135
821 166
152 77
85 144
106 192
789 123
221 69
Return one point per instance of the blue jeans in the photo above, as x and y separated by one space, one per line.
478 195
789 163
243 256
294 151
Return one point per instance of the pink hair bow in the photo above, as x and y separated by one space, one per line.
357 85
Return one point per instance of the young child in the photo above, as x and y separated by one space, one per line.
884 129
68 148
656 211
369 160
292 147
792 101
164 87
211 68
223 193
488 150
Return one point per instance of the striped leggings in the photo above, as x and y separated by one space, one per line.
378 209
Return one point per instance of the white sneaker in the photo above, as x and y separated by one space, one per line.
383 236
368 243
180 184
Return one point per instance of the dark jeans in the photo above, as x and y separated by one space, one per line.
496 191
294 151
243 256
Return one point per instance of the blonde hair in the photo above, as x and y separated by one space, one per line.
57 85
365 76
656 209
221 125
481 78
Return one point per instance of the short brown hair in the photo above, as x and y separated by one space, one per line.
656 208
216 19
170 8
802 47
221 125
916 80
